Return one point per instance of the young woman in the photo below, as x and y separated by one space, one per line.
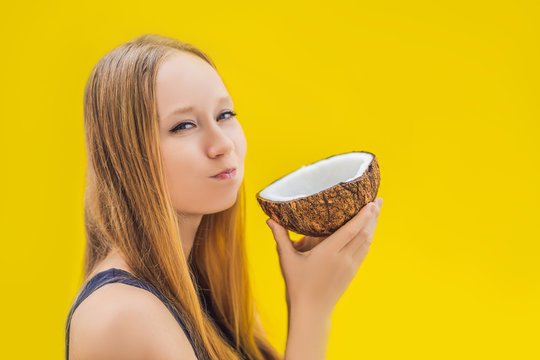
165 268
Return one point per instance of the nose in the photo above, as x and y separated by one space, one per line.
219 142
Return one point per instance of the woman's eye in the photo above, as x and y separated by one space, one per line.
180 126
232 113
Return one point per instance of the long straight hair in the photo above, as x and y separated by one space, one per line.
128 207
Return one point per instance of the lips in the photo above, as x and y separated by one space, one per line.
225 171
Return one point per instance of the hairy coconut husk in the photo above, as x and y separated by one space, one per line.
322 213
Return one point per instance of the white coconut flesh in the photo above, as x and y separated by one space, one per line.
316 177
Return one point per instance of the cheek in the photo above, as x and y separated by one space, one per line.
241 143
179 168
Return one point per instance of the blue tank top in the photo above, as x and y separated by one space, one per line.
114 275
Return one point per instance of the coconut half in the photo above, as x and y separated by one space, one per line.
319 198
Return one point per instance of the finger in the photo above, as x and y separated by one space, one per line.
281 236
308 242
361 248
349 230
365 232
313 241
305 243
300 244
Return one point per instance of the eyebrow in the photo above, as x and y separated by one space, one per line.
185 109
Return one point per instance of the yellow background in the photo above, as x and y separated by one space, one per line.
444 93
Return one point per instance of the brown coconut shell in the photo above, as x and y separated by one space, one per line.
322 213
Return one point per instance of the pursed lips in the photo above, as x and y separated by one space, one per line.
225 171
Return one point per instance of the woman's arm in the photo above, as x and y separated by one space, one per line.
316 279
307 334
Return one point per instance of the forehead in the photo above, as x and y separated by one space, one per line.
185 79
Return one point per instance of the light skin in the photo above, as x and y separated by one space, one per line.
317 276
208 139
316 270
195 145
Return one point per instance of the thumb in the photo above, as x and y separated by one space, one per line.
281 235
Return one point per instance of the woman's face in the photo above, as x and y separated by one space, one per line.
201 141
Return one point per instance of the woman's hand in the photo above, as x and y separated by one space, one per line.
319 276
307 243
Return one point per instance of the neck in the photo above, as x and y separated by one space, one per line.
188 225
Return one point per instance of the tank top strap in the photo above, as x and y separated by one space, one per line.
115 275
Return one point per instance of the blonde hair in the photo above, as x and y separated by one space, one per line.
128 207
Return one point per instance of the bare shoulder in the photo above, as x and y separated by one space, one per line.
120 321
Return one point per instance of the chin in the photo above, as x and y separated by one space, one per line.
222 206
